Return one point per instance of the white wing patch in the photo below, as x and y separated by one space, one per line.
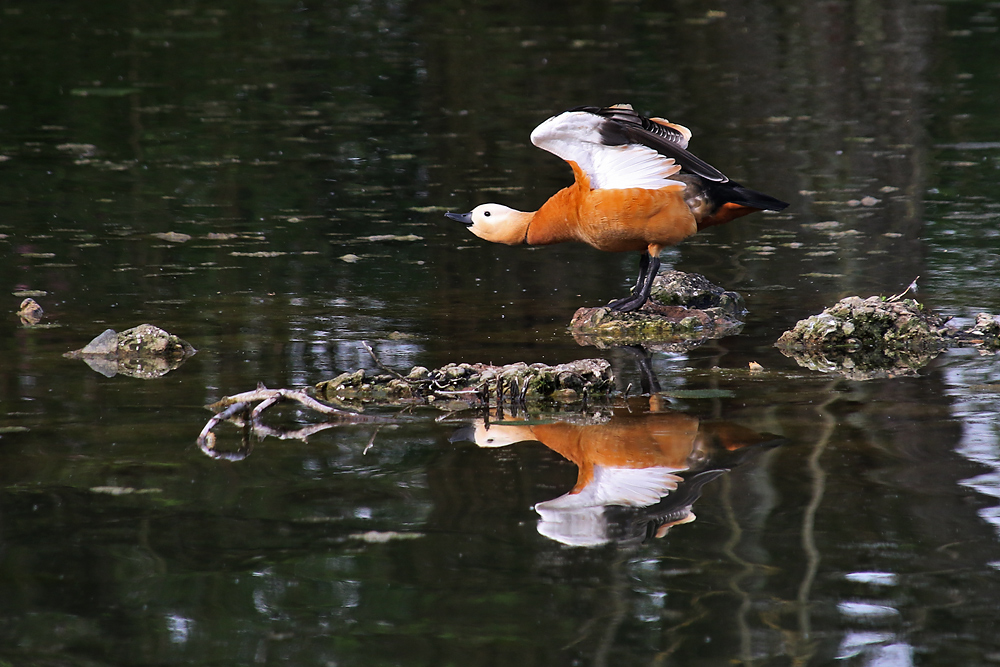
634 487
576 136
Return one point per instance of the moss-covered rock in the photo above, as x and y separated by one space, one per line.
684 311
475 384
879 337
145 351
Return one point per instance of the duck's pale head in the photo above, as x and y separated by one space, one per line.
495 222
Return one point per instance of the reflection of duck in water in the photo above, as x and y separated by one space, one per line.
639 473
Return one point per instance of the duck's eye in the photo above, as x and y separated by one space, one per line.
486 214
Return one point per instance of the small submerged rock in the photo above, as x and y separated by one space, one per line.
30 312
684 310
474 384
879 337
145 351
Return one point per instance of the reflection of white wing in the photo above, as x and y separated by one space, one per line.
577 519
635 487
575 527
575 136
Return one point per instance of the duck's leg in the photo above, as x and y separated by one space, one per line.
649 266
648 381
643 267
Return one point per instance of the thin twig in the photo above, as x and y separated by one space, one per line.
379 363
264 405
371 441
206 439
911 286
221 416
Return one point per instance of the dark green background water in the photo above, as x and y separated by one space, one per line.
279 135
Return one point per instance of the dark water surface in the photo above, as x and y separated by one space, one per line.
284 138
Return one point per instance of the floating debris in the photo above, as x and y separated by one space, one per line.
880 337
383 536
144 351
82 150
103 92
122 490
684 311
377 238
172 237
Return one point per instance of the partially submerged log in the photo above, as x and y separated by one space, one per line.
144 352
684 311
453 387
474 384
880 337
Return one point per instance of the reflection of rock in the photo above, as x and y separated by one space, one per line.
476 383
144 352
639 473
30 312
683 312
878 337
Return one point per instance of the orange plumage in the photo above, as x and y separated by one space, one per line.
636 459
636 187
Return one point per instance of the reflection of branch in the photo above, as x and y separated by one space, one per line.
612 618
272 396
747 568
618 611
809 518
231 407
206 439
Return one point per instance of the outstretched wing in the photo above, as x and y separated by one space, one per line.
632 487
618 148
578 136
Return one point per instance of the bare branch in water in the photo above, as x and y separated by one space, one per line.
378 362
262 393
230 408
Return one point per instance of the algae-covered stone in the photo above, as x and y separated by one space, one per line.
30 312
565 396
878 337
987 326
147 340
684 311
474 383
355 379
695 291
418 373
874 323
145 351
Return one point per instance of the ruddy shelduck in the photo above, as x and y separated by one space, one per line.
636 188
635 459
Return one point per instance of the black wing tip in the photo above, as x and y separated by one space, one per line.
747 197
627 126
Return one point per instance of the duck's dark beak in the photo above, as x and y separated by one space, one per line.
464 218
